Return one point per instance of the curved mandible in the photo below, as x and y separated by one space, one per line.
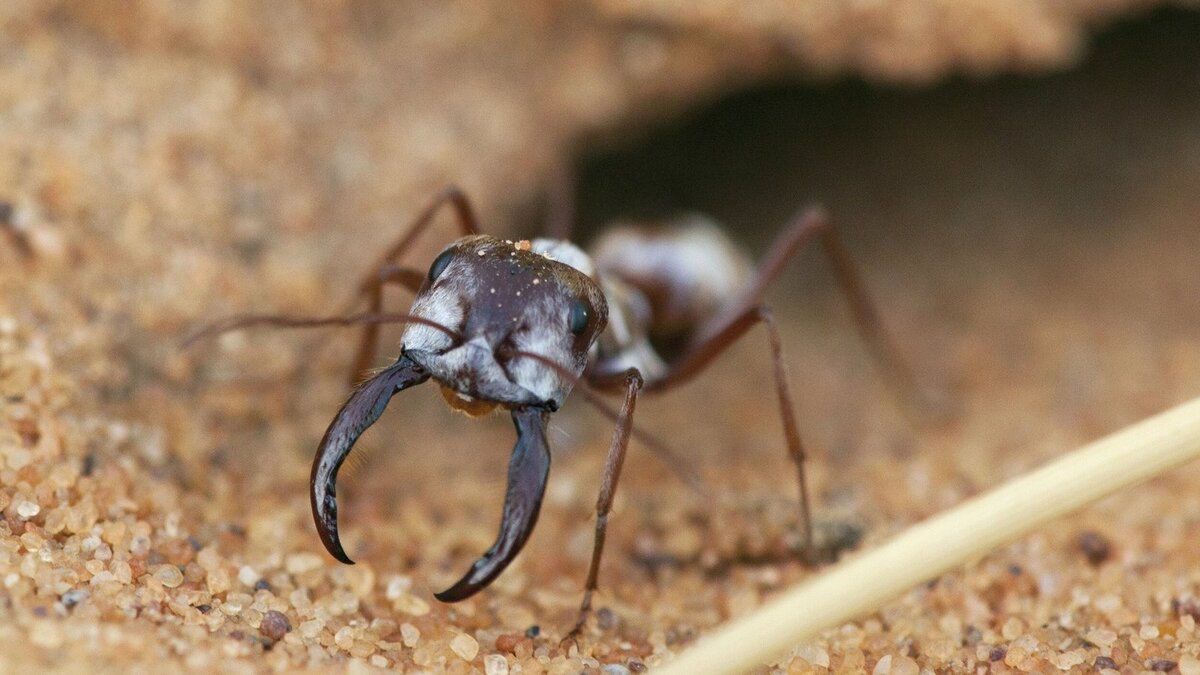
527 473
360 411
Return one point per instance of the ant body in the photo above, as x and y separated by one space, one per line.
518 325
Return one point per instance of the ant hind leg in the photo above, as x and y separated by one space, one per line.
815 222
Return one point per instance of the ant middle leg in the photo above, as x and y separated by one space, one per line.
701 355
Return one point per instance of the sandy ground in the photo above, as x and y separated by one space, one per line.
1033 245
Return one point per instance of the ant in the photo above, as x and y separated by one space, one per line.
517 325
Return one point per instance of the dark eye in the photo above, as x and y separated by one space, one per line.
580 317
440 264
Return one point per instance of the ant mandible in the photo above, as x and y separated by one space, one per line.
518 325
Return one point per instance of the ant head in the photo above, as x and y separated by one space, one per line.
526 316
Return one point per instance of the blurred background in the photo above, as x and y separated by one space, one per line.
1017 178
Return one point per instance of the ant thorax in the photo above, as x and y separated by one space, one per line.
525 314
670 279
625 343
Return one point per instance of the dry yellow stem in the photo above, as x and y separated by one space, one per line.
970 530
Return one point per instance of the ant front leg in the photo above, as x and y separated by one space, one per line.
368 342
608 489
387 272
701 355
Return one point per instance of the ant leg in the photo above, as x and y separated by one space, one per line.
702 355
452 195
387 272
560 203
608 488
815 222
368 343
666 455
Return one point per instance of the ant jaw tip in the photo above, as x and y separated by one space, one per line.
341 557
334 547
339 554
458 592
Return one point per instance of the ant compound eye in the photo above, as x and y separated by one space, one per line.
440 264
580 317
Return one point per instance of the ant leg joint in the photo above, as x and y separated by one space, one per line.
634 378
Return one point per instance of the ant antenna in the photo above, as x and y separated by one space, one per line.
239 322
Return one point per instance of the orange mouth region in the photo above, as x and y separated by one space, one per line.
468 406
